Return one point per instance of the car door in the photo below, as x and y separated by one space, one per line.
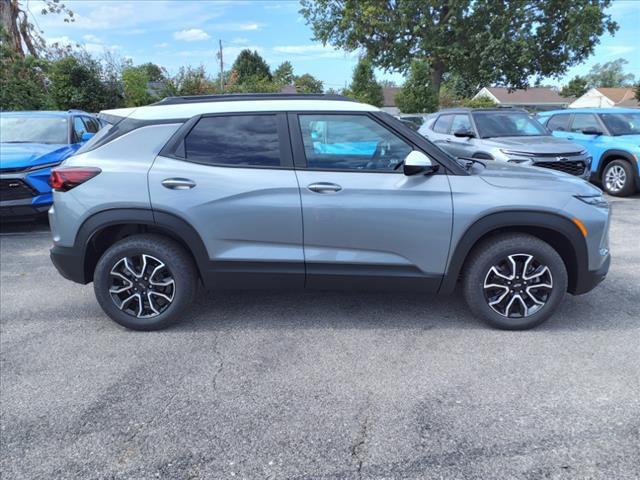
460 146
439 133
231 178
365 223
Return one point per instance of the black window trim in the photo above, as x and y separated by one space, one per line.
174 148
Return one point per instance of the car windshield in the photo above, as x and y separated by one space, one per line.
622 123
35 129
507 124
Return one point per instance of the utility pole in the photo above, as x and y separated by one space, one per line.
221 68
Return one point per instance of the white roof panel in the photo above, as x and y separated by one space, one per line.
188 110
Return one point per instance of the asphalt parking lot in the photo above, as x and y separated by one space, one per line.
317 385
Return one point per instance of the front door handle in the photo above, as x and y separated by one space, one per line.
324 187
178 183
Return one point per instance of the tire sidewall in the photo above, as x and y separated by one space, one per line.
181 273
628 187
475 286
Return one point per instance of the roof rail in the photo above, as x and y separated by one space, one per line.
231 97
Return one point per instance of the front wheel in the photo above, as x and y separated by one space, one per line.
145 282
514 281
617 178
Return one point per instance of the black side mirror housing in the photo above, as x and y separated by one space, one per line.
418 163
463 133
591 131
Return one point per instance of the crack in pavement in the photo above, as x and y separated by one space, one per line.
358 449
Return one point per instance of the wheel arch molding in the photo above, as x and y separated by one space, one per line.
102 229
613 154
558 231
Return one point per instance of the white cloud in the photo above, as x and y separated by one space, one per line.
91 38
312 51
249 26
191 35
617 50
239 41
162 45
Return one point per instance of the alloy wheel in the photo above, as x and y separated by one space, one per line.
615 178
518 286
141 286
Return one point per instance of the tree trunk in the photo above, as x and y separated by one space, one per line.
437 72
9 11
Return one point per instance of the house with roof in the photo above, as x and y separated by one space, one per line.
603 97
534 98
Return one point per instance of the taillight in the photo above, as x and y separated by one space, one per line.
66 178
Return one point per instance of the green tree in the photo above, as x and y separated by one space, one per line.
189 81
484 41
76 83
610 74
135 80
154 72
638 91
576 87
283 75
307 83
481 102
416 95
364 86
250 65
22 80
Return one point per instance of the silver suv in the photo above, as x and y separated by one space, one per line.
504 134
273 191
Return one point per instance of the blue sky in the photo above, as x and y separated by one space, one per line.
180 32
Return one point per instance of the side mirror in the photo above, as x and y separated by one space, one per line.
463 132
86 136
417 162
591 131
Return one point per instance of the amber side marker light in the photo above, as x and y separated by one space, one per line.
580 226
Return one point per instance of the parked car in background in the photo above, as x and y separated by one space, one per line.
214 190
31 143
414 122
504 134
612 138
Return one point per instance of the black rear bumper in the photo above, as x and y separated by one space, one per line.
588 280
70 263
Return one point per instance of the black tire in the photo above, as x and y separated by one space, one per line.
495 252
179 267
628 186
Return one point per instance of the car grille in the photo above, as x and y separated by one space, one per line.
573 168
15 189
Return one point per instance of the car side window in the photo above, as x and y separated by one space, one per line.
460 122
350 142
79 128
584 121
92 124
559 123
442 124
234 140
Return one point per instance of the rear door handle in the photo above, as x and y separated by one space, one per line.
324 187
178 183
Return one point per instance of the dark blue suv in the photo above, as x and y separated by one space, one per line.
31 144
612 138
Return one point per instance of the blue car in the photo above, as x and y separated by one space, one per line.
31 143
612 138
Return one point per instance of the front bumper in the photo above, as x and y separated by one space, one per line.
591 278
25 194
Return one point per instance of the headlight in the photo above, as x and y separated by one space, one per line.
595 200
583 152
519 154
520 161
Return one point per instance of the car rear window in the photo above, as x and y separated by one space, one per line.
442 124
235 140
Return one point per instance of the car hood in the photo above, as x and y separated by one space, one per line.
507 175
15 156
545 144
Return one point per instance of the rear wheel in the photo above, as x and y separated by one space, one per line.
617 178
145 282
514 281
